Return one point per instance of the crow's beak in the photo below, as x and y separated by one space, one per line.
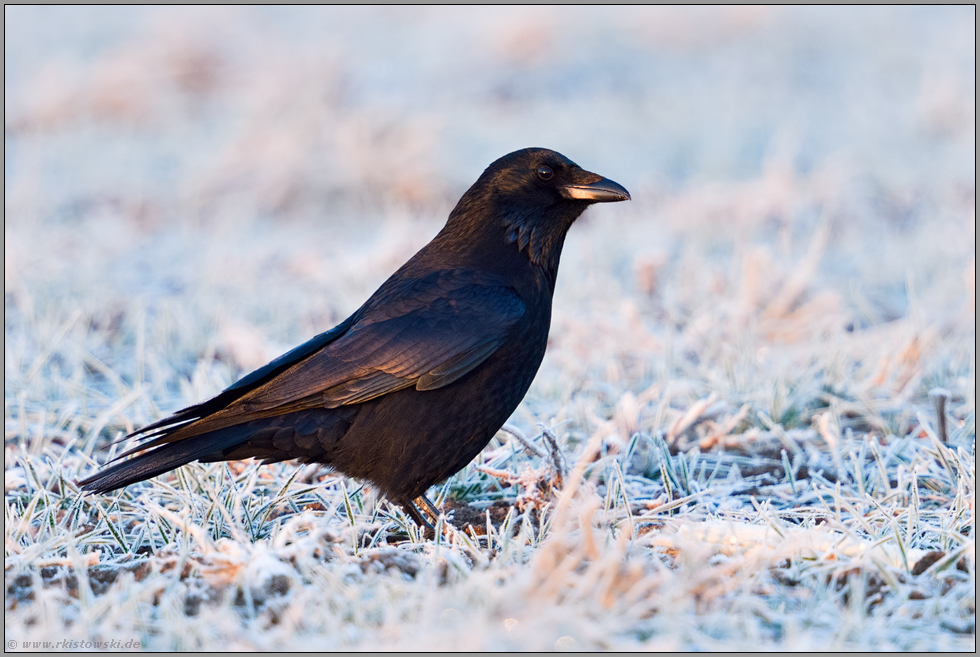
602 190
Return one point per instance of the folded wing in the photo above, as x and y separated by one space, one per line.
426 333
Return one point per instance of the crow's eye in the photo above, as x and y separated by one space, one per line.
545 173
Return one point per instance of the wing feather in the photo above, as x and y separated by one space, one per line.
426 332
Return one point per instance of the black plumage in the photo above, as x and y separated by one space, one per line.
408 389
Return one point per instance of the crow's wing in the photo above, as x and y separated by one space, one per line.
245 384
442 327
426 332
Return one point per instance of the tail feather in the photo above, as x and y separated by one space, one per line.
164 458
205 431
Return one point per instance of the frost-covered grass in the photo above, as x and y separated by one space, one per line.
755 424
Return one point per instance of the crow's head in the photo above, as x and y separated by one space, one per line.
544 179
531 197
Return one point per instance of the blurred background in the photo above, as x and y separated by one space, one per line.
214 185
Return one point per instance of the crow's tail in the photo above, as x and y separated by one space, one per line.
164 458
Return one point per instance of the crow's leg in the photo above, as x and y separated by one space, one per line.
429 507
418 518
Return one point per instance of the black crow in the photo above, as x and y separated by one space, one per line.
408 389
